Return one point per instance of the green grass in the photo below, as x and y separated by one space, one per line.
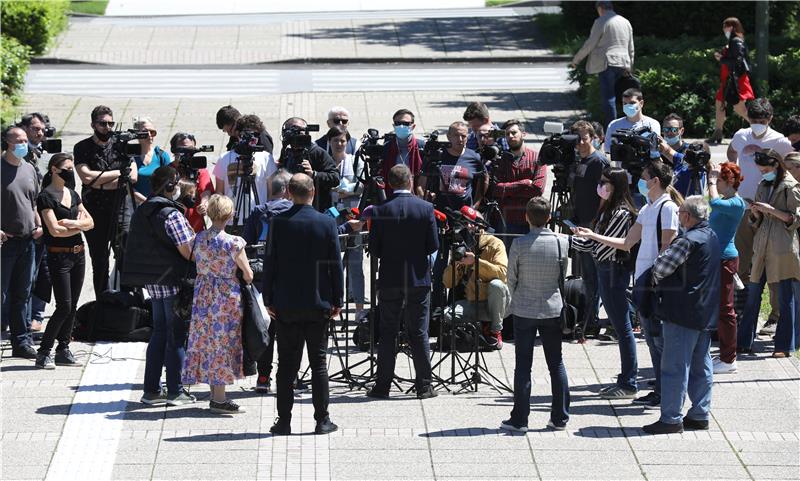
559 35
93 7
498 3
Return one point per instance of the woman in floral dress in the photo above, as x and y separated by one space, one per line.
214 352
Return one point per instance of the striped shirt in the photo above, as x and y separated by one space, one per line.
618 227
179 230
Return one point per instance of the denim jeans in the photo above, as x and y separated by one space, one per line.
355 271
493 310
66 271
524 338
17 279
653 336
608 95
785 331
685 368
165 349
613 281
590 281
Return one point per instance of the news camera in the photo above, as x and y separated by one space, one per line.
121 143
696 157
189 163
433 153
298 136
634 148
49 144
558 151
372 151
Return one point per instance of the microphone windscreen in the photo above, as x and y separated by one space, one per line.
469 212
440 216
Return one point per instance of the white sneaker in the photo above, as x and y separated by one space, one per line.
721 367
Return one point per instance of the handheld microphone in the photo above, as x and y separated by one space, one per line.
440 216
472 215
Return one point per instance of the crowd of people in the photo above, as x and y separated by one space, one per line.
464 235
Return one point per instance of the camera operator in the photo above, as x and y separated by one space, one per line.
673 148
226 122
197 204
338 116
405 149
586 178
300 155
493 296
476 116
150 158
101 168
233 167
633 106
517 180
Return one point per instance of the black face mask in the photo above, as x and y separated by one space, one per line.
188 201
103 137
68 176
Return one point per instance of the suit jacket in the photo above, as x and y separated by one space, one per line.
403 236
302 264
610 43
533 271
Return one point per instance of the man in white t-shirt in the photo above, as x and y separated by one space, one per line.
229 170
633 106
746 142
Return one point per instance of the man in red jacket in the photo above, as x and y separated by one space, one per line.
519 179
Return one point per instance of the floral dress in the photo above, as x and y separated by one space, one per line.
214 352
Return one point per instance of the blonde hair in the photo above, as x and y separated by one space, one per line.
220 207
139 122
187 187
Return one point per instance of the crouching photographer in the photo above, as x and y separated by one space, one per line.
493 298
158 249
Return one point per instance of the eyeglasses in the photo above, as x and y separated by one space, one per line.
103 123
397 123
670 130
339 120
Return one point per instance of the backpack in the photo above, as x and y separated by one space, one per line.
115 316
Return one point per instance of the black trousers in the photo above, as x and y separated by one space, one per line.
264 363
409 308
295 328
66 274
100 205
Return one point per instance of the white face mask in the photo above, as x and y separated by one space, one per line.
176 194
758 129
728 34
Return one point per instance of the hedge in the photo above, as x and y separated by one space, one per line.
34 23
15 59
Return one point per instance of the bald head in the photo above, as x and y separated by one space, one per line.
301 188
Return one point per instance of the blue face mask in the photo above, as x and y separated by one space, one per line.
643 189
21 150
769 176
596 143
630 109
402 131
673 140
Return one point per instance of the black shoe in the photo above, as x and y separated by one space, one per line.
377 393
427 393
64 357
663 428
281 427
650 401
44 361
695 424
25 352
225 407
263 385
325 426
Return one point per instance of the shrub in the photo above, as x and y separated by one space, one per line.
15 60
34 23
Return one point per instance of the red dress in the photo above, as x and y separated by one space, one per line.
203 185
745 89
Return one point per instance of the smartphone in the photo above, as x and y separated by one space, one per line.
749 200
569 224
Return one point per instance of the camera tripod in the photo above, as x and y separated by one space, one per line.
117 233
561 203
246 193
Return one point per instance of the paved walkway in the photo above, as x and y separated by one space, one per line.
352 37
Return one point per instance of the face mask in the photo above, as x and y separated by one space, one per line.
630 109
21 150
176 194
643 189
402 131
188 201
673 140
758 129
727 34
602 191
67 175
596 143
769 176
102 137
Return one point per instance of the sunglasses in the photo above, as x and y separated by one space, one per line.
153 132
400 122
103 123
340 121
670 130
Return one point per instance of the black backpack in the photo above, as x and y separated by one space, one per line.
115 316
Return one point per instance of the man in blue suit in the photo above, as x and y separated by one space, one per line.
303 288
403 236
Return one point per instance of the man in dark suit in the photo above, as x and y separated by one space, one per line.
403 236
303 287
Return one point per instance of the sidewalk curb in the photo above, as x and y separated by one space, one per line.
323 61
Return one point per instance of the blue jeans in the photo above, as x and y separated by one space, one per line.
165 349
685 368
355 271
524 339
608 95
17 279
785 335
653 336
614 279
590 281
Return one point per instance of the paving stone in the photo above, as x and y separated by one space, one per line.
688 471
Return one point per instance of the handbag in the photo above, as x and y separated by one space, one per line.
255 323
569 313
182 307
732 90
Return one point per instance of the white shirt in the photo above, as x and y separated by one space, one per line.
349 183
746 145
625 123
648 216
227 168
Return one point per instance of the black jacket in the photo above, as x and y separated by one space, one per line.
150 255
326 177
302 262
735 56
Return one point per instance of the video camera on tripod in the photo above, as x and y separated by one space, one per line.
696 157
49 144
433 154
249 144
189 163
298 137
634 149
558 151
120 143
